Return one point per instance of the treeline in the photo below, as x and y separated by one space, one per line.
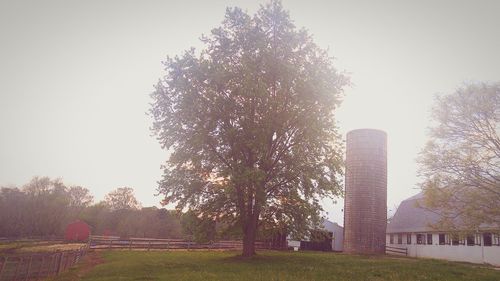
43 207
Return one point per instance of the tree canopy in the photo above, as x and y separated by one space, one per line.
44 207
122 198
461 163
80 197
249 121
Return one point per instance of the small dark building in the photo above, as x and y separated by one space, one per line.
77 231
320 240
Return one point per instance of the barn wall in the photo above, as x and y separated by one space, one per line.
473 254
338 239
492 255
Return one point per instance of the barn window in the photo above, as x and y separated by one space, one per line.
408 238
391 239
442 239
478 238
496 239
420 239
470 240
455 240
400 238
429 239
487 239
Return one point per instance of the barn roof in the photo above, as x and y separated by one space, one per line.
409 217
331 226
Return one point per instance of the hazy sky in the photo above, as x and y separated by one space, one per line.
75 79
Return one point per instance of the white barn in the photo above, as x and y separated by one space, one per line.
410 229
337 234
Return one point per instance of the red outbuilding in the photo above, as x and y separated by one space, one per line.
77 231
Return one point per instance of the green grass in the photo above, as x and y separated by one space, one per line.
270 265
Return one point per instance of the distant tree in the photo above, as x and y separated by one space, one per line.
47 206
126 222
44 206
149 222
14 220
79 197
196 228
122 198
40 208
171 224
43 185
460 165
250 123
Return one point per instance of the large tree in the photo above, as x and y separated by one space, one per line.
461 163
250 124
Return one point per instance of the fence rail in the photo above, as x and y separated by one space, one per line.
106 242
54 239
39 265
396 250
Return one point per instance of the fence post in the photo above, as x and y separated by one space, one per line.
53 263
3 266
59 267
19 262
130 244
75 258
50 266
29 268
41 267
67 262
149 245
78 255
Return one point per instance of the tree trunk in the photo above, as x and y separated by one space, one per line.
249 240
250 224
250 232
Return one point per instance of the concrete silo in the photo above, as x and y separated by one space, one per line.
365 207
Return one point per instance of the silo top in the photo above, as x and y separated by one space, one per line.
366 139
364 132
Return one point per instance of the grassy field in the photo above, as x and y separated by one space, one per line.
268 265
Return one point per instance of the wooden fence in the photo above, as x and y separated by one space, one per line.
52 239
114 242
396 250
35 266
